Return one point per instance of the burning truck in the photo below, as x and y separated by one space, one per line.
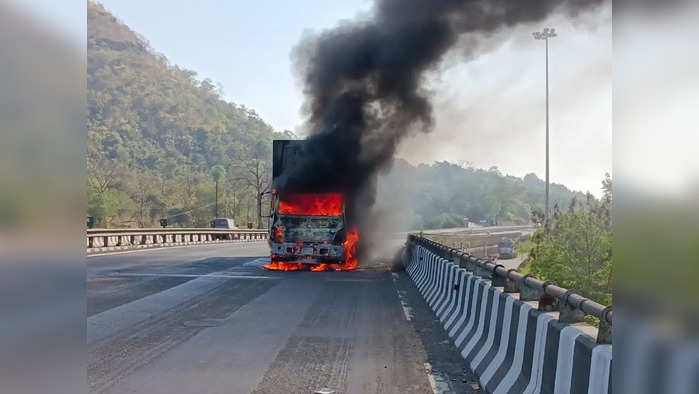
308 229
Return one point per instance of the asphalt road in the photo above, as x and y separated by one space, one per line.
209 319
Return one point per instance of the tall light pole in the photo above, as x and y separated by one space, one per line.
545 35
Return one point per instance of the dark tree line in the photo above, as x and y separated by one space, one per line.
443 194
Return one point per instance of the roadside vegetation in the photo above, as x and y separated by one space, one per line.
577 251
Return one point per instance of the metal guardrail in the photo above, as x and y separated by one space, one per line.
572 306
100 240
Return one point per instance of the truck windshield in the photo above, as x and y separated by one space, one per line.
311 204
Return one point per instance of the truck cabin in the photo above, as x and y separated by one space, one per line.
308 226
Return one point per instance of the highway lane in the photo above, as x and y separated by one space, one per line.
210 319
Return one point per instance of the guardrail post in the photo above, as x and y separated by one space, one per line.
604 332
511 285
569 313
498 281
470 262
461 260
480 270
536 293
528 293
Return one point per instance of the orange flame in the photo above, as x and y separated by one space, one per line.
350 263
321 267
317 204
350 245
284 266
278 233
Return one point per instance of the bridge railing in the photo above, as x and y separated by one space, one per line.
572 306
105 240
516 333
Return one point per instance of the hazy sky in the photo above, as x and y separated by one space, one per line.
489 110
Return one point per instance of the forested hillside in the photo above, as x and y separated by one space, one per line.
159 139
443 194
155 132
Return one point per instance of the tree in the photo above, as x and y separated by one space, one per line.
577 252
537 216
101 174
217 172
253 166
606 204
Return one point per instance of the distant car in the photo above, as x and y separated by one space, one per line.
223 223
506 249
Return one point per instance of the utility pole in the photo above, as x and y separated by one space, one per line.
545 35
217 173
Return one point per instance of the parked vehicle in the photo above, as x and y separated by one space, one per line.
506 249
223 223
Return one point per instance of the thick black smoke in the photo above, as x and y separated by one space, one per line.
363 82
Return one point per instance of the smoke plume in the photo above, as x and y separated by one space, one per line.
363 82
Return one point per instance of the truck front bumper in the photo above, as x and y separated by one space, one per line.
310 253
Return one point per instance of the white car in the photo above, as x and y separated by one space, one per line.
223 223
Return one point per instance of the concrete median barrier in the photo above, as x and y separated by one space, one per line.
111 240
510 344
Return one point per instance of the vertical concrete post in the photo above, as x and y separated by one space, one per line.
604 333
511 285
569 313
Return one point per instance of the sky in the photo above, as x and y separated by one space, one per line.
491 110
489 106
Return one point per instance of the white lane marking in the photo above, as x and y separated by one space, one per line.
165 275
258 262
438 383
407 310
257 332
111 321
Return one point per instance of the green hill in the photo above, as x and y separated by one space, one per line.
442 194
155 130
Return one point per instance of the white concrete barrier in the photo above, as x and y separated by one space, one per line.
108 240
510 345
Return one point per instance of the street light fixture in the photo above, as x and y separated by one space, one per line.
545 35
